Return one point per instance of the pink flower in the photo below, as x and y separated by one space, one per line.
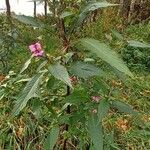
96 98
36 49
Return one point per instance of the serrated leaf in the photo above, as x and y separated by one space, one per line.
85 70
105 53
103 109
95 132
134 43
60 72
28 92
122 107
28 20
51 139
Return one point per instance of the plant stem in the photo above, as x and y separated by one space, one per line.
68 112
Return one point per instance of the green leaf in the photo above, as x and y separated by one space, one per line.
97 5
90 7
51 82
23 80
68 56
89 60
1 40
122 107
105 53
138 44
2 93
100 84
27 63
79 95
95 132
28 20
28 92
60 72
51 139
103 109
65 14
36 108
85 70
117 34
42 65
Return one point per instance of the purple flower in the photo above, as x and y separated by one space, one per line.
36 49
95 98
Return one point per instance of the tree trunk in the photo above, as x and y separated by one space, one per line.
124 10
8 8
34 9
131 11
45 8
120 11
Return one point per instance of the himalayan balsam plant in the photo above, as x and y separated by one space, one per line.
71 83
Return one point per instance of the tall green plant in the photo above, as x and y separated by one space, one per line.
66 84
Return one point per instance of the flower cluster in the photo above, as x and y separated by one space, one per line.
36 49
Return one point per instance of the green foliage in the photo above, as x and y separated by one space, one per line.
138 44
122 107
136 58
136 54
95 132
27 63
52 139
84 70
106 54
60 72
103 109
28 92
28 20
68 101
78 96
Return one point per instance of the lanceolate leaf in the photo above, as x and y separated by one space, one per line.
60 72
91 7
122 107
97 5
28 92
117 34
28 20
95 132
85 70
65 14
2 93
105 53
103 109
51 139
27 63
138 44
